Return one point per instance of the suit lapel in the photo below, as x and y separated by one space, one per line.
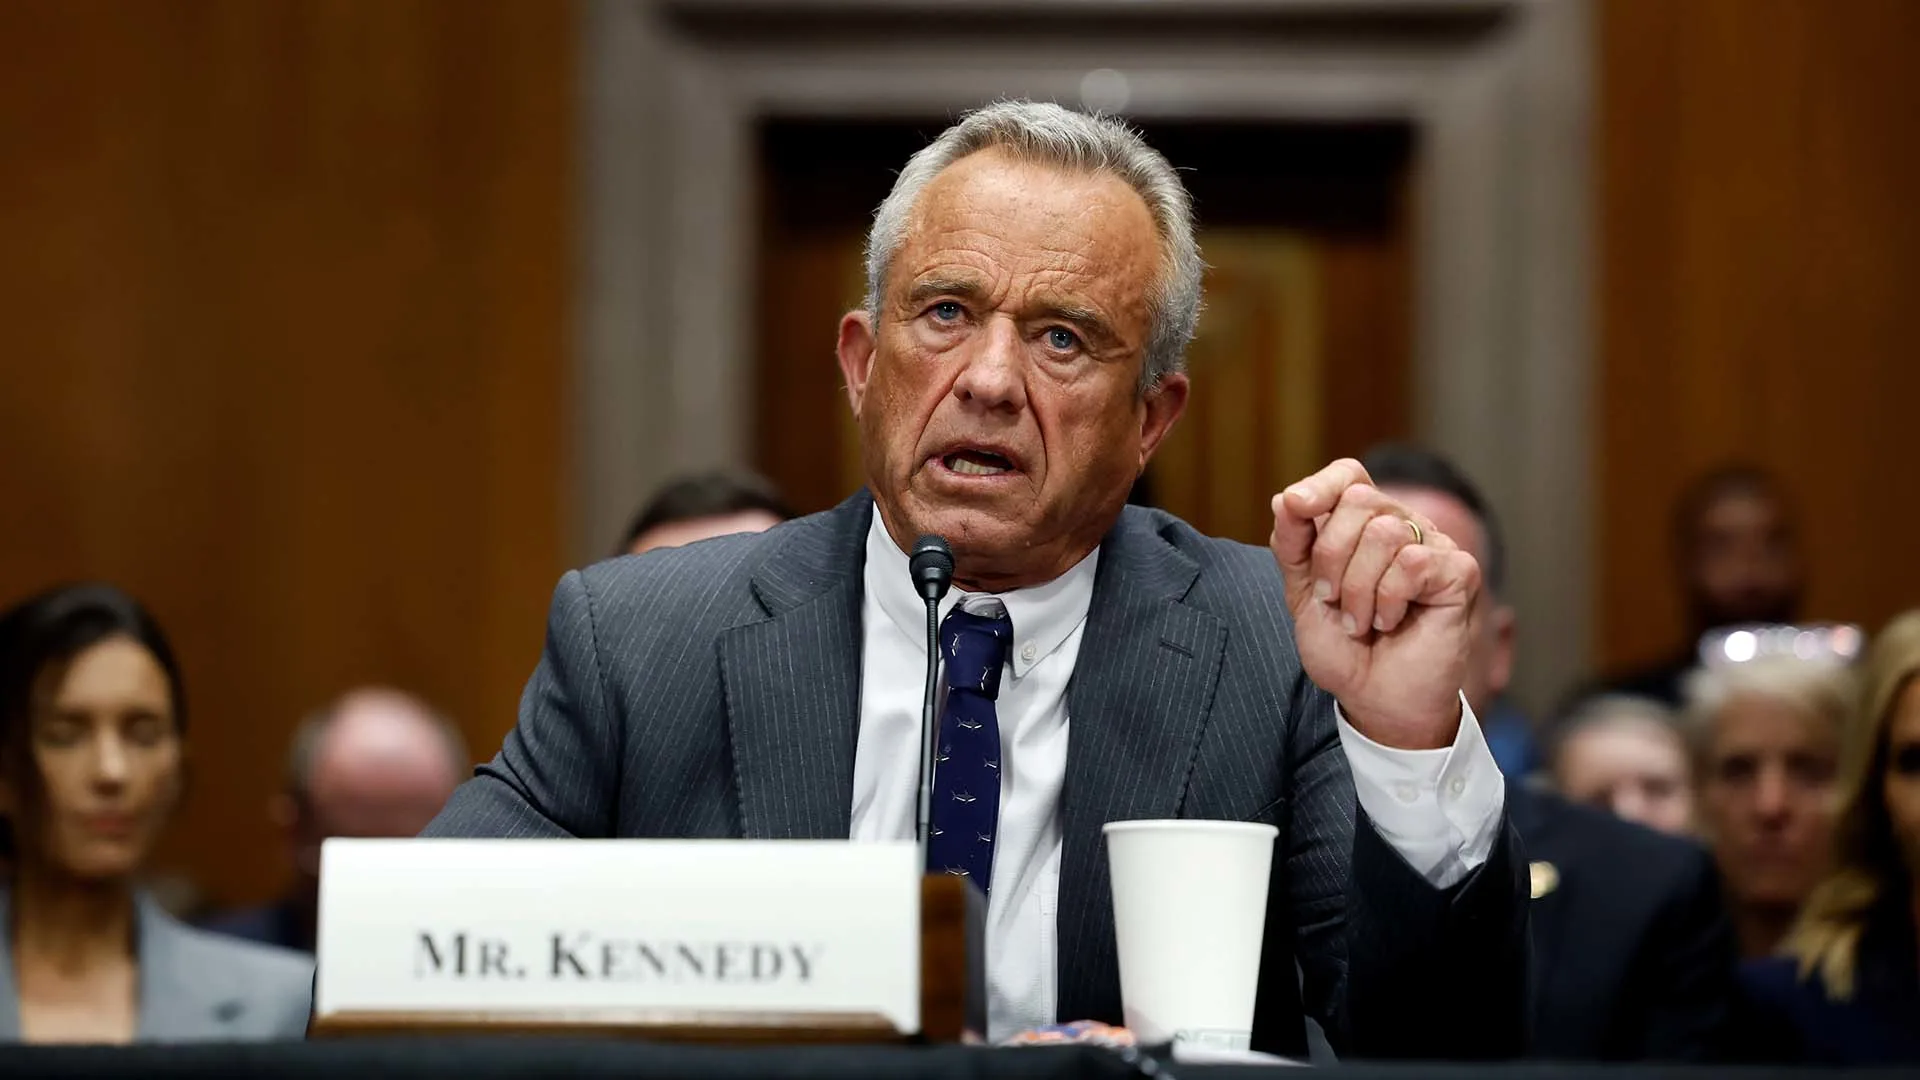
1138 702
1552 891
792 682
175 1000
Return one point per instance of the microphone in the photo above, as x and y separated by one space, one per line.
931 566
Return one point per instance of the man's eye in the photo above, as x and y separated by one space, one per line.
1062 339
947 311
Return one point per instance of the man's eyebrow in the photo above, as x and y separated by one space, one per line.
929 288
1090 322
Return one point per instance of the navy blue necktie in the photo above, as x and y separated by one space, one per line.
966 773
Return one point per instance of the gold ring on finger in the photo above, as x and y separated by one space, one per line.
1418 536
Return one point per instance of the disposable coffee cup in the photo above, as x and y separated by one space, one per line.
1189 910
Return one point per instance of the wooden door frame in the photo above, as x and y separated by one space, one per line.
1498 92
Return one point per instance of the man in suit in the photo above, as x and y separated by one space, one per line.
1633 954
1032 283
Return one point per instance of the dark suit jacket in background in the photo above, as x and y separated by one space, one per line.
1788 1018
1633 954
714 691
287 925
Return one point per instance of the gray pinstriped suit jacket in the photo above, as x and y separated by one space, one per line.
713 691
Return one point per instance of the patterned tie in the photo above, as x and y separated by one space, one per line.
966 775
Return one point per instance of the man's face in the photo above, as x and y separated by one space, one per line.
997 386
1636 768
1490 658
378 773
1744 566
1766 799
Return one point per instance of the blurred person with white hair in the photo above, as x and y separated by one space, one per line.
1846 989
1765 733
1626 755
377 762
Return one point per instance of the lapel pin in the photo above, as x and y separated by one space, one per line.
1544 878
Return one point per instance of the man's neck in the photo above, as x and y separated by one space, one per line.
977 574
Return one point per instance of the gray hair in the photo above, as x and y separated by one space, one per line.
1047 134
304 751
1819 689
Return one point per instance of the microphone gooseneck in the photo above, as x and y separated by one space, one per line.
931 566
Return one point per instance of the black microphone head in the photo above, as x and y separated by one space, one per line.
931 565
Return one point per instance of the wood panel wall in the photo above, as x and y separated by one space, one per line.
283 352
1760 278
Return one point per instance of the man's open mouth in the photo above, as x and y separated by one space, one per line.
976 463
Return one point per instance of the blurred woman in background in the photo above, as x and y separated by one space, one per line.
92 719
1766 737
1848 986
1625 754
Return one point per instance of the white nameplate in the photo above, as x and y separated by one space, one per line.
713 926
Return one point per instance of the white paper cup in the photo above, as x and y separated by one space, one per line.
1189 910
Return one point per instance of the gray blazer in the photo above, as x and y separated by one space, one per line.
713 691
194 986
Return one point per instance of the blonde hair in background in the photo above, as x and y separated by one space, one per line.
1826 938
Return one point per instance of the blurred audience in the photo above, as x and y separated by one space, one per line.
1626 755
92 743
703 506
1633 958
1738 555
1765 735
1848 987
375 763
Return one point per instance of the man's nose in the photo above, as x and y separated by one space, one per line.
995 377
1628 802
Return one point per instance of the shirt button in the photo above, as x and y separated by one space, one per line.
1457 786
1027 654
1406 792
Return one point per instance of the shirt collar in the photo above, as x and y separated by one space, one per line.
1043 616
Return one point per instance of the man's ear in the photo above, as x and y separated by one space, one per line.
855 349
1164 404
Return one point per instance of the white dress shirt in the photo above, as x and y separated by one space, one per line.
1439 808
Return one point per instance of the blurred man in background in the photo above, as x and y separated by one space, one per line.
702 506
376 763
1739 561
1626 755
1632 954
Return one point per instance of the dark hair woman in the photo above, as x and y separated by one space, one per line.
92 750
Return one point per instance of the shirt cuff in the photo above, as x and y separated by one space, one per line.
1440 809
